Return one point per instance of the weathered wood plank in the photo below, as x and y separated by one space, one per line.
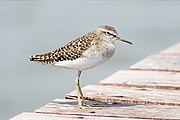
133 95
147 91
41 116
160 62
144 79
175 49
156 112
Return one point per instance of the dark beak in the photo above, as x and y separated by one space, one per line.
118 38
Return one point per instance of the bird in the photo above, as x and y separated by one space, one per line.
85 52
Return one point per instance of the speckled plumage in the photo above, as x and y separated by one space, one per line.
70 51
85 52
96 46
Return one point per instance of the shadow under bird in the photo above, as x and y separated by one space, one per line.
88 51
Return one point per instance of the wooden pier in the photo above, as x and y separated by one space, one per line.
150 89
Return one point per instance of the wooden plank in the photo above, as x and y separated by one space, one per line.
143 92
155 112
133 95
159 62
175 49
46 116
144 79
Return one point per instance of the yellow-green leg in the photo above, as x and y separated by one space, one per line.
80 99
79 91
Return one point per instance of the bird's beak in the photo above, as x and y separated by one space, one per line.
118 38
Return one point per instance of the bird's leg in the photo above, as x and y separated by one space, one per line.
81 102
79 91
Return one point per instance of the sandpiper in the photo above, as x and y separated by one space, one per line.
83 53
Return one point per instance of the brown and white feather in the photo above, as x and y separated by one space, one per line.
70 51
85 52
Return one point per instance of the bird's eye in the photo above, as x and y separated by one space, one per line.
109 33
104 32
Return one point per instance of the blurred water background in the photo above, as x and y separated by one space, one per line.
28 27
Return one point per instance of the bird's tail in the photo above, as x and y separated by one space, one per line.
42 58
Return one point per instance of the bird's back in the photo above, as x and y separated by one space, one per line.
71 51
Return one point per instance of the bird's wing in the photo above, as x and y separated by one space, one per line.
70 51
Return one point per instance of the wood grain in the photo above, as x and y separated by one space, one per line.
144 79
150 89
155 112
159 62
46 116
131 95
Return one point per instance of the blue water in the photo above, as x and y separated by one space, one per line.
28 27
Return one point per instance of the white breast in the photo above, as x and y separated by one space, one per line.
92 57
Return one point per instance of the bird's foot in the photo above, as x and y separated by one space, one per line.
84 105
